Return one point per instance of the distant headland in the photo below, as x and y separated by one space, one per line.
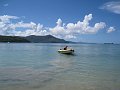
37 39
108 43
32 39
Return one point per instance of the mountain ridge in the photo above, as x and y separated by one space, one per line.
45 39
12 39
32 39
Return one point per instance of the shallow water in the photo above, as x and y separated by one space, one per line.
38 66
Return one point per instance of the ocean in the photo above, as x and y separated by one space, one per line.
38 66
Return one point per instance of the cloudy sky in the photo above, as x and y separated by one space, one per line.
75 20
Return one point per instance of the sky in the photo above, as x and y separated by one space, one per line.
74 20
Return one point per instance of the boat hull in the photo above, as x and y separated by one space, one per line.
66 51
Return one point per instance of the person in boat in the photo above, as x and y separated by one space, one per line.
65 48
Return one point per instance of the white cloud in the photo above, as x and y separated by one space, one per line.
23 25
59 22
29 29
70 37
70 30
6 18
4 24
5 5
61 30
9 28
110 29
113 6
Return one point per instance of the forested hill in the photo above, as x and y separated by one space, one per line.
32 39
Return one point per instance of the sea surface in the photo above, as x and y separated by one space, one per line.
38 66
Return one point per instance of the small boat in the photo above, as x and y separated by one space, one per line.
68 51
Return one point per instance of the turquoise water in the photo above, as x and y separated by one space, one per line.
38 66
